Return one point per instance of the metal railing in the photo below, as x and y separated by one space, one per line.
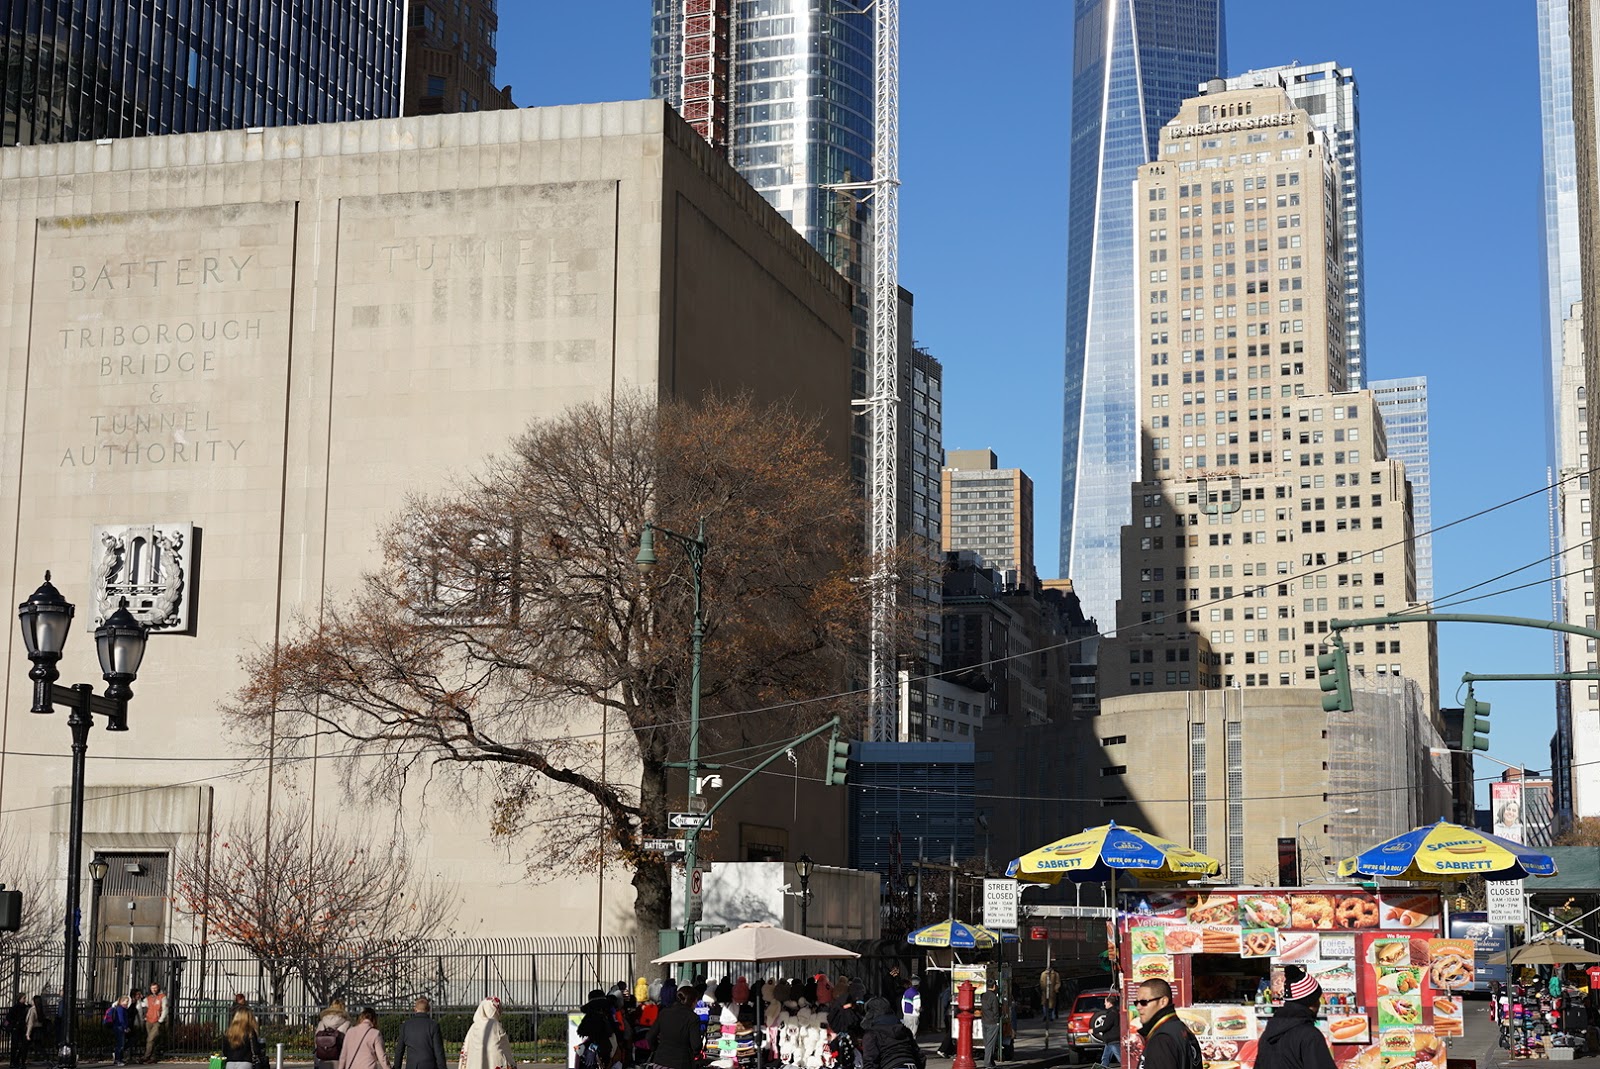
538 980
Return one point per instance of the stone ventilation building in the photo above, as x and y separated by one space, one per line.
268 339
1268 504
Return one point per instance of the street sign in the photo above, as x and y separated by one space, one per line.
684 821
664 846
1000 903
1038 931
696 903
1505 901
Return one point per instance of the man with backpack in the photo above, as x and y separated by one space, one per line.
1105 1027
1168 1043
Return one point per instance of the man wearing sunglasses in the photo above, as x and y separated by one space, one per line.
1168 1043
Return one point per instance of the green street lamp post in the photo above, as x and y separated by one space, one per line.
46 619
694 546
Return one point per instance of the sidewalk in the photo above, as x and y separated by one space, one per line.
1028 1047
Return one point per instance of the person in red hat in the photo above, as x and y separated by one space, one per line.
1291 1039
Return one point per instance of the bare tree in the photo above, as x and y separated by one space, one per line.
509 612
333 906
22 869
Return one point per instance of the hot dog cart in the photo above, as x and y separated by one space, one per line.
1391 982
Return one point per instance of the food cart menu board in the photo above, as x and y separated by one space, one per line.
1390 982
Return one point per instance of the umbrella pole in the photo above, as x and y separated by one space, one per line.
761 1025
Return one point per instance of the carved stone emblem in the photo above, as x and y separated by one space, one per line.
149 565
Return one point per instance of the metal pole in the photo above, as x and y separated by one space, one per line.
80 721
696 548
805 903
94 935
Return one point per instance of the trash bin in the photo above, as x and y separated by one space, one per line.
216 1061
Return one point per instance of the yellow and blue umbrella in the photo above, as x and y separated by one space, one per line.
1096 855
1446 851
955 934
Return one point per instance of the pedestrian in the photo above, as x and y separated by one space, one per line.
676 1038
486 1045
239 1003
911 1004
993 1030
153 1008
885 1041
363 1044
1291 1039
1049 989
1168 1043
598 1031
17 1025
893 982
327 1042
120 1017
1106 1029
420 1038
241 1043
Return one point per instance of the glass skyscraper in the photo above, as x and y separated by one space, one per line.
1404 404
76 70
1134 63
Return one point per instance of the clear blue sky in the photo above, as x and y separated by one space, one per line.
1450 140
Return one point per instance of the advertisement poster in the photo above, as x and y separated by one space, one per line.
1410 912
1505 803
1451 966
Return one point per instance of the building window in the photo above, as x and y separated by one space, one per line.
1114 770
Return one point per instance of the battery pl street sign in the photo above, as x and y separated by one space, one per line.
664 846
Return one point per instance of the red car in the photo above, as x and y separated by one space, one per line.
1084 1007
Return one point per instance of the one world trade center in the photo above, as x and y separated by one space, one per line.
1134 62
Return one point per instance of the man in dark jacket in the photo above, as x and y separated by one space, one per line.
885 1041
1106 1028
420 1037
1291 1039
1168 1043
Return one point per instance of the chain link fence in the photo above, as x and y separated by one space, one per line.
538 981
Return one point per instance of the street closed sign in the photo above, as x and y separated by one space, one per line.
1000 904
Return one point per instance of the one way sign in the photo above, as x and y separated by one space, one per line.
684 821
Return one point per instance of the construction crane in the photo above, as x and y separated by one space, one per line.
705 39
884 402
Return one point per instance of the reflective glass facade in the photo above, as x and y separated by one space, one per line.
1404 404
1134 63
77 70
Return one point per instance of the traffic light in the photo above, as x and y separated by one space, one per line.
1474 723
1333 676
838 760
10 910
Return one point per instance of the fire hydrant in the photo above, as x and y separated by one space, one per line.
964 1015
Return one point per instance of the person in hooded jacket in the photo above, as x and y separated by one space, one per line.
1291 1039
886 1043
486 1045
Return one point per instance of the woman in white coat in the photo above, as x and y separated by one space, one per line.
487 1046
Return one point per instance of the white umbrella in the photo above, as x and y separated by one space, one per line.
756 943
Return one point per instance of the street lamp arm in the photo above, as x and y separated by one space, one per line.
1440 751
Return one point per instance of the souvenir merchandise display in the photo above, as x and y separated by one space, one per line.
1390 981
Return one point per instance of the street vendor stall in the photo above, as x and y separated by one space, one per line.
1390 978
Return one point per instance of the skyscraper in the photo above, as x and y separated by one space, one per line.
1404 404
1268 505
1327 93
1247 430
988 510
450 58
1134 62
74 72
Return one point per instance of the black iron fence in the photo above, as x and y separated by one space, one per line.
538 980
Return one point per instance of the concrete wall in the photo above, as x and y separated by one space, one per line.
277 335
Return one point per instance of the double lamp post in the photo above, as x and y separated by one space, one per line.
46 619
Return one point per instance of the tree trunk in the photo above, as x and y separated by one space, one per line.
652 877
